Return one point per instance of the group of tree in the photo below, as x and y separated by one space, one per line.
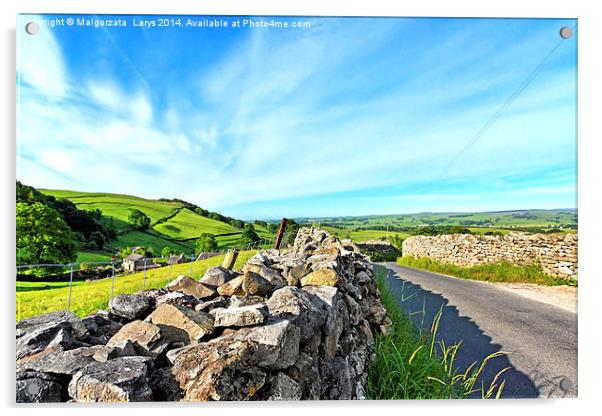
51 230
205 213
206 243
139 219
441 229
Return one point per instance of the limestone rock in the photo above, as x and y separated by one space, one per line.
321 277
181 324
124 379
191 287
232 287
240 316
298 306
282 387
36 387
145 336
268 273
277 343
101 327
255 284
164 385
64 362
131 307
219 302
221 369
55 330
217 276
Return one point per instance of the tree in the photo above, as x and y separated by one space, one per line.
139 219
42 236
248 235
206 243
167 251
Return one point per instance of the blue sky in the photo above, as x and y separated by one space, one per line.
351 116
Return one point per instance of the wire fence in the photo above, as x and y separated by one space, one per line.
74 292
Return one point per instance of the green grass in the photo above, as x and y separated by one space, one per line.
88 297
92 256
411 365
363 235
490 272
187 224
150 239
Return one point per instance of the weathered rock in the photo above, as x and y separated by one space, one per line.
55 331
101 327
178 298
255 284
164 385
271 275
217 276
124 379
305 373
296 273
181 324
297 305
240 316
145 336
219 302
237 301
190 286
36 387
64 362
336 380
362 278
131 307
376 314
277 343
321 277
232 287
282 387
221 369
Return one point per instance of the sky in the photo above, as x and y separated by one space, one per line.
342 116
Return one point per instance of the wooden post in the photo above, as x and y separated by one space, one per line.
230 259
280 233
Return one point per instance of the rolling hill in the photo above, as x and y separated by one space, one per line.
172 223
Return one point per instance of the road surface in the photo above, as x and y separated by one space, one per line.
541 338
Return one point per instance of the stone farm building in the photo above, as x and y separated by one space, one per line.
135 263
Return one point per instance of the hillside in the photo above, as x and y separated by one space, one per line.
173 224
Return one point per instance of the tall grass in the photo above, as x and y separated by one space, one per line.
411 364
490 272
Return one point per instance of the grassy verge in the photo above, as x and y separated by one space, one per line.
491 272
34 298
411 365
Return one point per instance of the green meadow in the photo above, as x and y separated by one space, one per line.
34 298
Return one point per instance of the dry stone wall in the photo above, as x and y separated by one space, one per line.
556 253
291 325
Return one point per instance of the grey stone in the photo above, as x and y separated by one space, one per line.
124 379
36 387
277 343
217 276
254 284
240 316
55 331
219 302
282 387
64 362
131 307
101 327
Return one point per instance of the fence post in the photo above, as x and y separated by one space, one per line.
169 274
112 279
70 288
191 259
144 283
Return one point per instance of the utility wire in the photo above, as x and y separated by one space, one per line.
499 112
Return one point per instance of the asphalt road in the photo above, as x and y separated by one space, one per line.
541 339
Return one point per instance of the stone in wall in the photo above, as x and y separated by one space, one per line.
556 253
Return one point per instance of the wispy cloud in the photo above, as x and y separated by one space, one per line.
269 123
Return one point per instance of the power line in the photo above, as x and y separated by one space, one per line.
500 110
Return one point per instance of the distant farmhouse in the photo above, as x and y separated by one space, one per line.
175 259
137 262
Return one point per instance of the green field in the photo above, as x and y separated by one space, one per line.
172 225
363 235
33 298
564 219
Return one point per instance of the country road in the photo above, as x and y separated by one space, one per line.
541 338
